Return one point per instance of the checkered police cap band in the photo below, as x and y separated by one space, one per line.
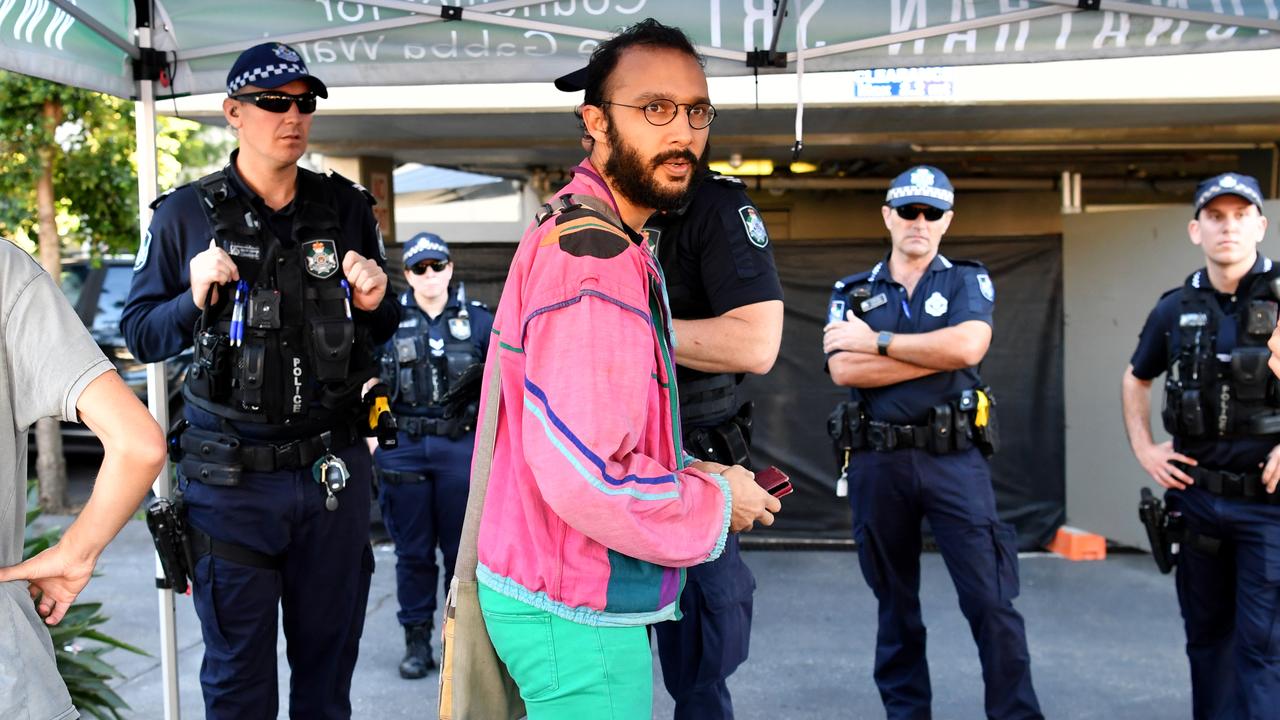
251 77
1236 188
947 196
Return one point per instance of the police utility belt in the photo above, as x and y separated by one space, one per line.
965 422
1238 486
416 426
215 458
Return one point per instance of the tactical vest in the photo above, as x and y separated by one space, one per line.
1210 396
286 352
705 398
422 371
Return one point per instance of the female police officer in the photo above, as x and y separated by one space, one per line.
272 265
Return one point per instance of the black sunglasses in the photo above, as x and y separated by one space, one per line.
278 102
436 265
911 212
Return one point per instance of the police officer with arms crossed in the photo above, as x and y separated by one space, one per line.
424 479
726 304
908 336
278 270
1222 407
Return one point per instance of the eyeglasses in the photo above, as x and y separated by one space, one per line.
662 112
911 212
435 265
278 102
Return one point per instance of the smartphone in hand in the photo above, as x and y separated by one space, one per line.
775 482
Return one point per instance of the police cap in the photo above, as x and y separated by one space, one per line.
269 66
425 246
924 185
1228 184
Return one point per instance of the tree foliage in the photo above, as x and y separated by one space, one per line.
95 174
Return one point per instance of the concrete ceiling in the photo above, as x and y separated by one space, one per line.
1138 150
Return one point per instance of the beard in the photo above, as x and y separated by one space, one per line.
636 179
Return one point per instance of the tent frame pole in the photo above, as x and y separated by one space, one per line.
157 379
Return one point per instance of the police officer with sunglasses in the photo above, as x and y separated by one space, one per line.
907 337
433 368
279 272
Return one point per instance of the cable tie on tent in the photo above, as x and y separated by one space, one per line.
451 12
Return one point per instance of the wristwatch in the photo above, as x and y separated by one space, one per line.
882 342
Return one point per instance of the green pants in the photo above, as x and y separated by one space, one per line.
568 671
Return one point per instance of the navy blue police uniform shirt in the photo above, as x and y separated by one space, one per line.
159 316
950 292
481 321
715 253
1151 359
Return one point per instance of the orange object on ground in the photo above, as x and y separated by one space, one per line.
1076 544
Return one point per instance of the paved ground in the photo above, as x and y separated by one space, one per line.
1104 640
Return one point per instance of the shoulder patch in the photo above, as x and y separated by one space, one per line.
754 225
727 180
581 233
362 189
144 251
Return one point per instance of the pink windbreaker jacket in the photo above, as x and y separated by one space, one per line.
591 512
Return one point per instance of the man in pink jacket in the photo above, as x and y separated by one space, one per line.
592 508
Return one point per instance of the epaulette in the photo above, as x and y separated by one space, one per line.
477 303
363 190
845 282
1168 292
968 263
162 197
727 180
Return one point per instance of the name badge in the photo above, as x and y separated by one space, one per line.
873 303
1193 320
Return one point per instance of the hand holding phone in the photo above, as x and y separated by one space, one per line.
775 482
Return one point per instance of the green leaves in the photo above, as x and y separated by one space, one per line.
95 170
81 666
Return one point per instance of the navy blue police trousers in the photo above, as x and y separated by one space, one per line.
890 493
424 512
701 650
1230 602
321 586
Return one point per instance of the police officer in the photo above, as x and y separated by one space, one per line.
1222 407
907 336
726 302
279 272
424 479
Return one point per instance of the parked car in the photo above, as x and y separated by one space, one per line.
98 291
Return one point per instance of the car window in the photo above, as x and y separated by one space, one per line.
72 282
115 290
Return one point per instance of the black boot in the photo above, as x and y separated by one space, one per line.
417 660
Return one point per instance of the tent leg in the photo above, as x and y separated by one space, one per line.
157 380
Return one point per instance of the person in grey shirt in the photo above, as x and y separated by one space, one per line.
51 367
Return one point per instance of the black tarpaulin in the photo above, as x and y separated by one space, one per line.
1024 368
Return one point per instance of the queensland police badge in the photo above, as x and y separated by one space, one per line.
322 258
756 232
460 328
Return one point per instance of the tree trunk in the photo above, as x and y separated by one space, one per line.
51 466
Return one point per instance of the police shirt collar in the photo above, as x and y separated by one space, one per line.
1200 278
881 269
242 187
